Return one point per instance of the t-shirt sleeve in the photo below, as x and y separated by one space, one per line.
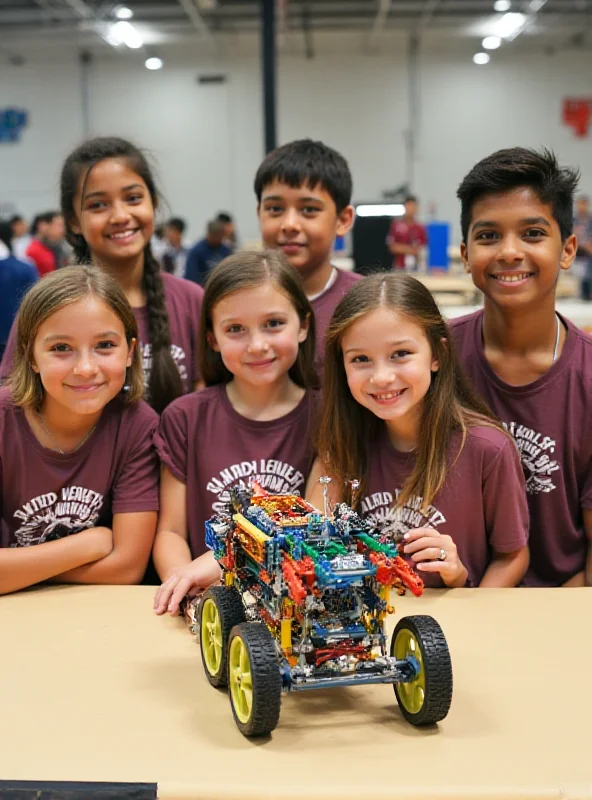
136 483
504 500
171 439
8 357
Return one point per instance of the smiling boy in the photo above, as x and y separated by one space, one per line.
304 202
531 365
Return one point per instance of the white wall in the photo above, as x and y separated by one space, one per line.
206 140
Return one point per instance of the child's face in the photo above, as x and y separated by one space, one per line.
116 214
81 355
257 332
302 223
514 250
55 229
389 363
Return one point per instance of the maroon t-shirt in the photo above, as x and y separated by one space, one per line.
324 306
482 504
209 446
551 420
410 233
47 495
183 303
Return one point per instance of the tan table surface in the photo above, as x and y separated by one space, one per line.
95 687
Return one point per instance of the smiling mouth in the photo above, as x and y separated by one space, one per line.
87 387
123 236
515 277
263 363
385 397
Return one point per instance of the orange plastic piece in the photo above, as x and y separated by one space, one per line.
392 570
408 576
295 585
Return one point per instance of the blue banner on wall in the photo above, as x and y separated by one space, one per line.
12 123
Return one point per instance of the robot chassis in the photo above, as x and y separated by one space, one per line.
303 605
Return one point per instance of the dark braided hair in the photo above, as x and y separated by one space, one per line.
165 382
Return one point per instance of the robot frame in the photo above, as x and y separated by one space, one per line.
302 606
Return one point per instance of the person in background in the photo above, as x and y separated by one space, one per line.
21 237
109 200
174 257
303 192
407 238
230 238
203 257
48 232
158 243
583 232
16 277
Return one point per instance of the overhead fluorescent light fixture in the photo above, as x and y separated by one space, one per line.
502 5
123 32
153 63
123 12
491 42
381 210
481 58
510 25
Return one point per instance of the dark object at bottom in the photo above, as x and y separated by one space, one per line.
70 790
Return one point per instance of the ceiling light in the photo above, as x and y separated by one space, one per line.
153 63
382 210
536 5
491 42
481 58
123 12
502 5
124 33
510 25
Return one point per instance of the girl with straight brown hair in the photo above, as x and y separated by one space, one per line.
405 439
78 470
253 421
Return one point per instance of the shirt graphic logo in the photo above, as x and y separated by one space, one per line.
534 450
51 516
178 355
378 508
276 476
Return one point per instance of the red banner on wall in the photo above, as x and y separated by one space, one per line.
577 113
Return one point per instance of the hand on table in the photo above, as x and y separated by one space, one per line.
186 580
432 551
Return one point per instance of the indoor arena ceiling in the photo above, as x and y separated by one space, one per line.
167 19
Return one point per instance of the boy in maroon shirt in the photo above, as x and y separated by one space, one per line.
407 238
304 202
532 366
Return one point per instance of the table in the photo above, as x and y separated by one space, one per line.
95 687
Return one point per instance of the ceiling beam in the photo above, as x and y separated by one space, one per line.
428 12
197 20
82 9
384 7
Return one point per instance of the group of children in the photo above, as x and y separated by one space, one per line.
134 399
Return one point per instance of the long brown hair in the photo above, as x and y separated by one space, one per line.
246 270
54 292
164 383
348 430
